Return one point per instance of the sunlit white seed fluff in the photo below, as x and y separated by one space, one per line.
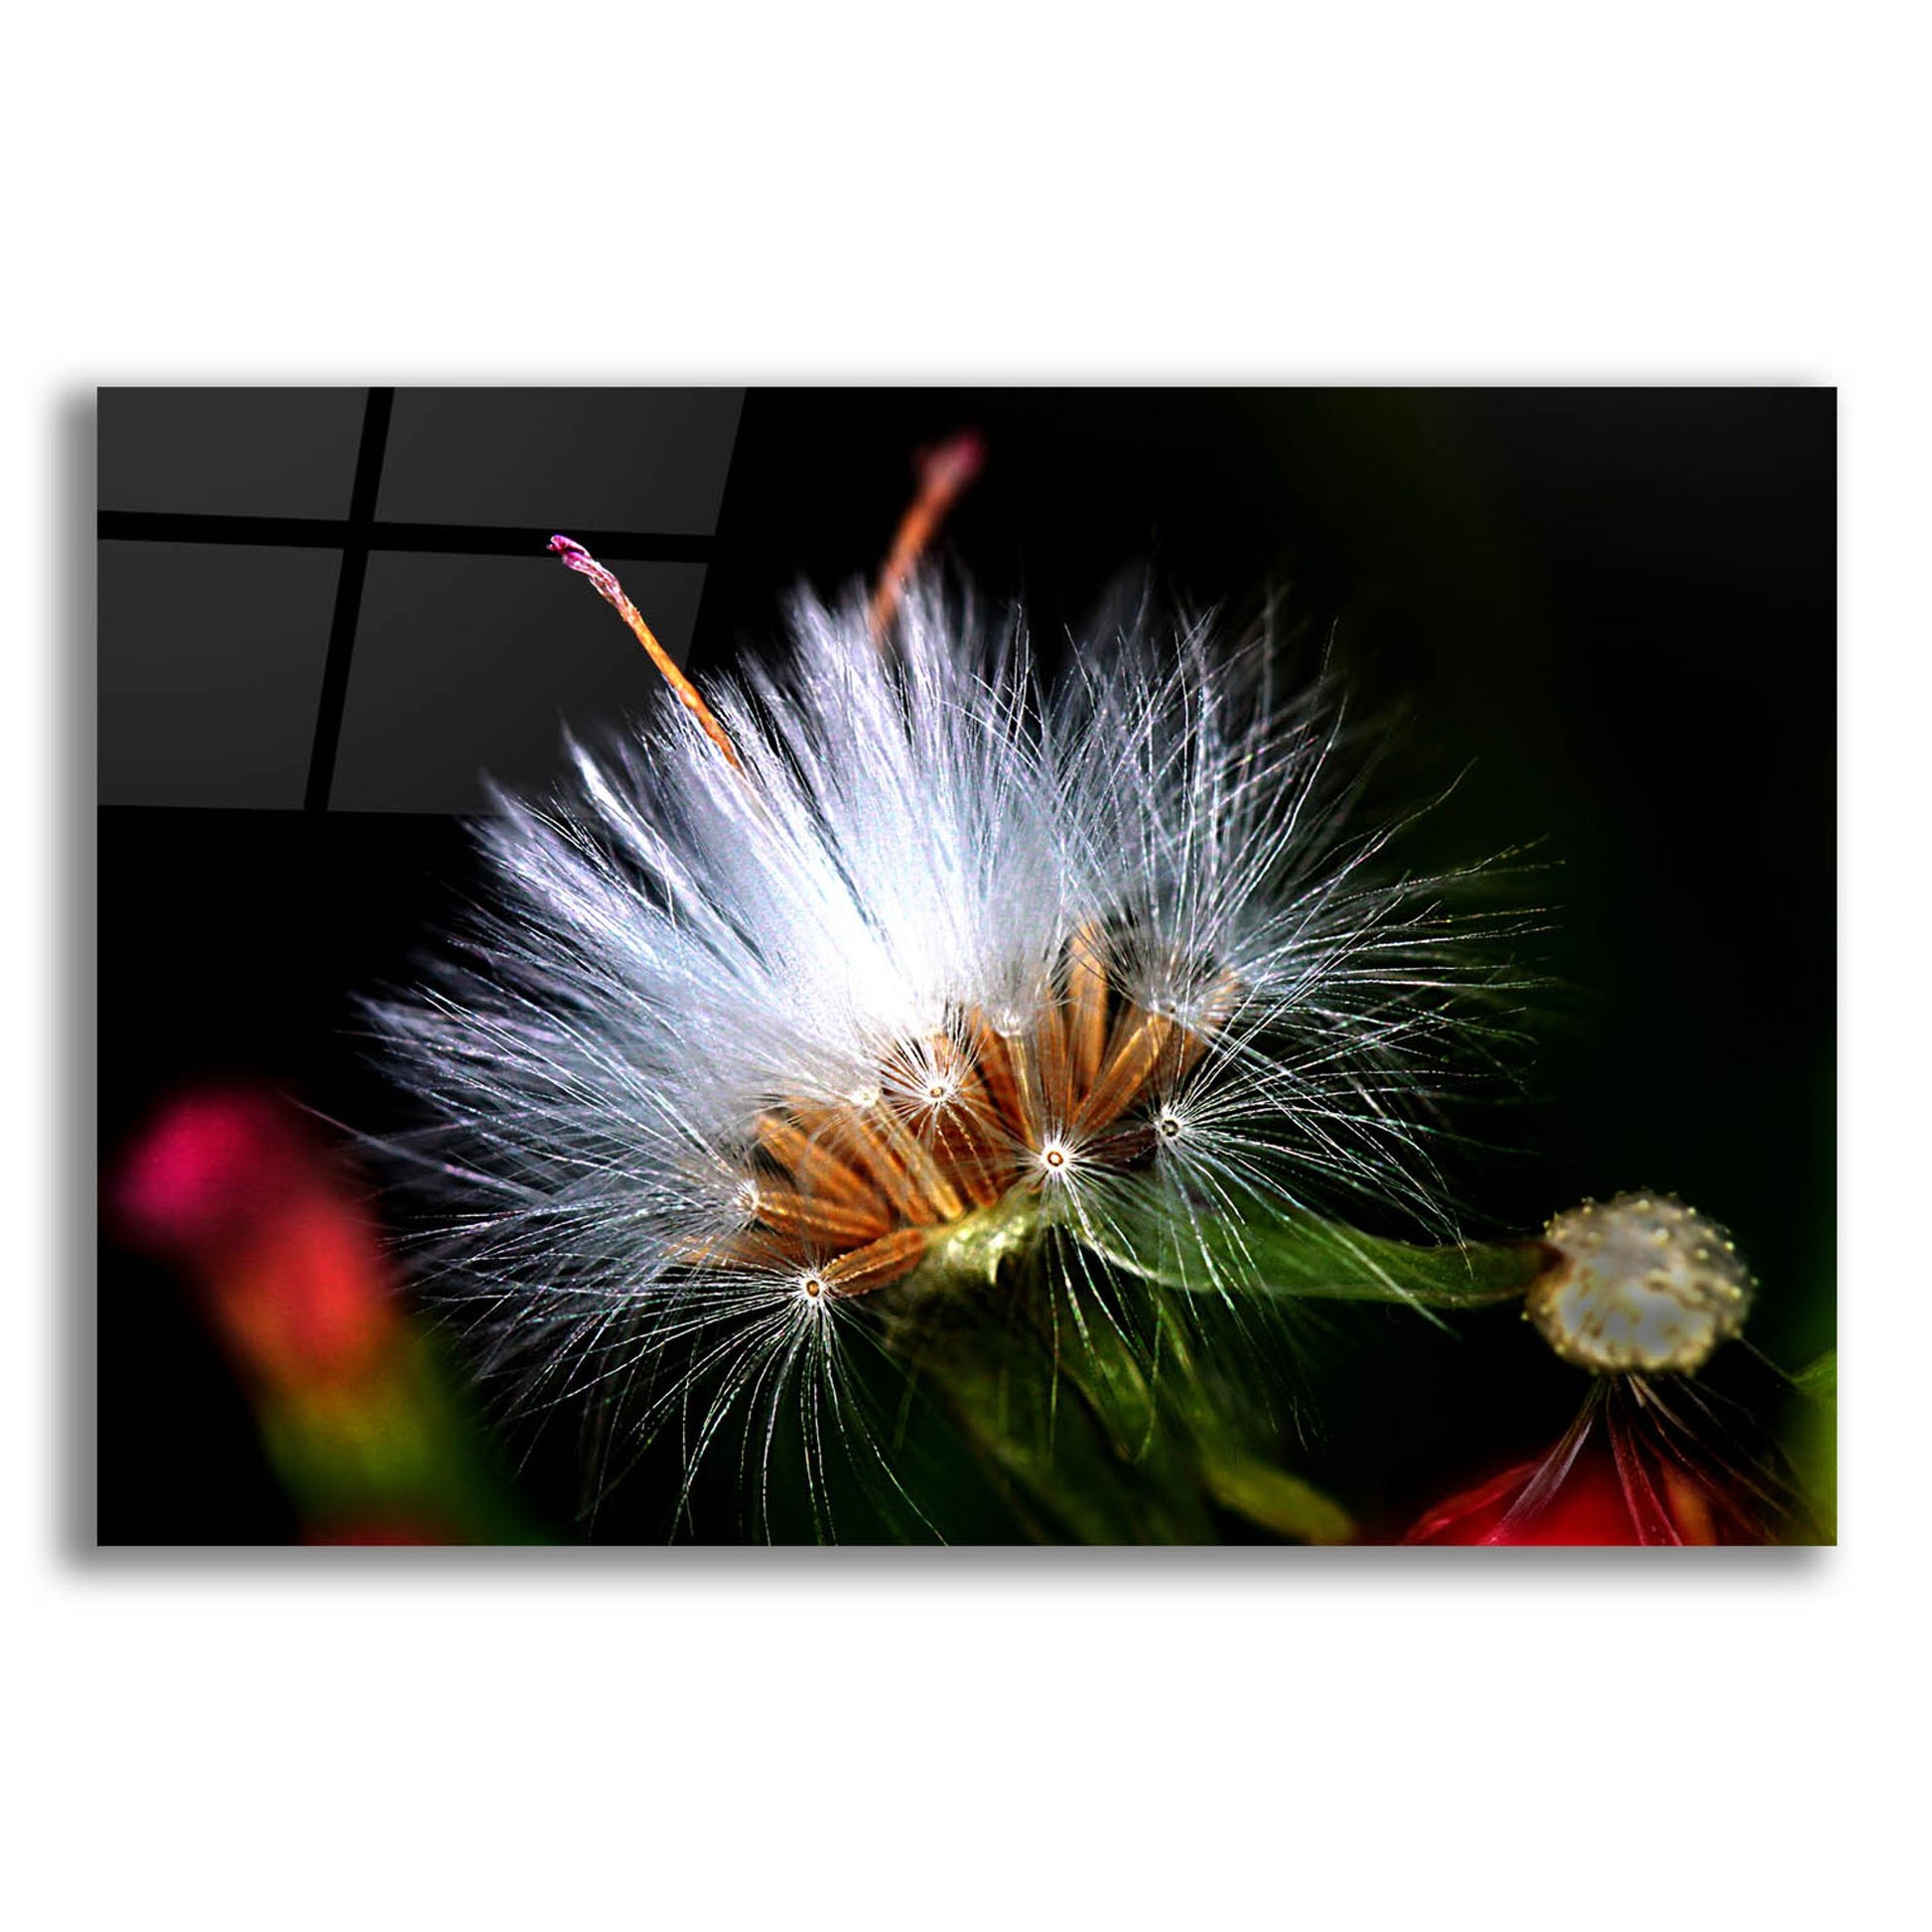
733 1042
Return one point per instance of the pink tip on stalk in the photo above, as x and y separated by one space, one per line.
575 557
944 470
947 467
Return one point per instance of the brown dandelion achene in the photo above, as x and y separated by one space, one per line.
855 1193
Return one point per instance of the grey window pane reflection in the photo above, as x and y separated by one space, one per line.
472 664
230 452
211 669
644 460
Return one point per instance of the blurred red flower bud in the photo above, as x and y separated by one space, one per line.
1628 1470
262 1222
230 1187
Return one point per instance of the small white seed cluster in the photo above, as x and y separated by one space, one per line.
1642 1283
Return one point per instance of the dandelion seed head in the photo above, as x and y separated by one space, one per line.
1641 1283
941 959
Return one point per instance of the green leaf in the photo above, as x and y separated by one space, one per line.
1810 1435
1092 1413
1268 1494
1257 1253
1820 1379
1091 1407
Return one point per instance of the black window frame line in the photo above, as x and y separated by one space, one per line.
355 536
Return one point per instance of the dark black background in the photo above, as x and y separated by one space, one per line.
1612 611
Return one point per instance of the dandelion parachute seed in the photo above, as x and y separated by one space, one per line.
851 986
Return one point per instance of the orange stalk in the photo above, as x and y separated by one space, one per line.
944 473
576 558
